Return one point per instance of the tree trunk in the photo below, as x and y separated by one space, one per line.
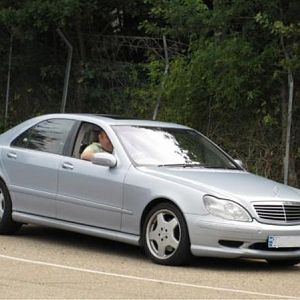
80 90
82 49
8 80
289 125
164 78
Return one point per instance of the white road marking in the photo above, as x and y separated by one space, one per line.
181 284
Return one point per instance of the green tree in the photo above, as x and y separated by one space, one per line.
227 74
102 69
232 81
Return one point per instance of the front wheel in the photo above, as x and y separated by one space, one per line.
7 225
165 235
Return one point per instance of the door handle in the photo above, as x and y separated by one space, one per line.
12 155
67 166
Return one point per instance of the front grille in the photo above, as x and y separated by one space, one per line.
282 212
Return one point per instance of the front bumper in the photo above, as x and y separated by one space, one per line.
215 237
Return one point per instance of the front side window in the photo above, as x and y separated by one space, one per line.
171 147
47 136
88 134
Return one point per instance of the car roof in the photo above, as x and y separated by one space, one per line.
101 120
113 120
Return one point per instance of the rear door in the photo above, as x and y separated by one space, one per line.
31 163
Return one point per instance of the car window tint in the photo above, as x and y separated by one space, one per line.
47 136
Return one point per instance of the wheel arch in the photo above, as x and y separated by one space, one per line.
7 224
2 180
7 187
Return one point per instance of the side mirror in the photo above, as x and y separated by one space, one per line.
104 159
240 163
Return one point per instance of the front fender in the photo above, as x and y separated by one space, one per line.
142 188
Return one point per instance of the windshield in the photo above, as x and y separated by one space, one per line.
171 147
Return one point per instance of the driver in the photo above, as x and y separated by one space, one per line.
102 145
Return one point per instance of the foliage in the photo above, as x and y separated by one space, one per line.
231 83
228 79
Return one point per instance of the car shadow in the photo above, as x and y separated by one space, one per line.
239 265
79 241
98 245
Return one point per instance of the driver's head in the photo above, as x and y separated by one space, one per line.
105 141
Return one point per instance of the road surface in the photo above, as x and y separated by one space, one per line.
44 263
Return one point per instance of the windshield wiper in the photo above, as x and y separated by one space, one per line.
183 165
223 168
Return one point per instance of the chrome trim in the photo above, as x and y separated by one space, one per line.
87 203
278 212
32 192
67 199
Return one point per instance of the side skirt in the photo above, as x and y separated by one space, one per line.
80 228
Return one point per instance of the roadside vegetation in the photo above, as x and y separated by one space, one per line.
227 68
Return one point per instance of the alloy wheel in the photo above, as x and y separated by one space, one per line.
163 234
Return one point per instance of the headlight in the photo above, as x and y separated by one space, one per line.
226 209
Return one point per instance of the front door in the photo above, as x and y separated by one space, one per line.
90 194
87 193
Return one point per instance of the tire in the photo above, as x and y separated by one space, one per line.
7 225
165 236
283 262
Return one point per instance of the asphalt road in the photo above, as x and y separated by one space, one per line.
47 263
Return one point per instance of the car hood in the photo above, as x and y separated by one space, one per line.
232 184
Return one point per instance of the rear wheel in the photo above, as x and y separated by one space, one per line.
283 262
165 235
7 225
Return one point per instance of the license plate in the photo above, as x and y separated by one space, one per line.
283 241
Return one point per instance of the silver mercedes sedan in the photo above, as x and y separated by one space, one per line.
163 186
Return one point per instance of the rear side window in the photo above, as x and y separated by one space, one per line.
47 136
